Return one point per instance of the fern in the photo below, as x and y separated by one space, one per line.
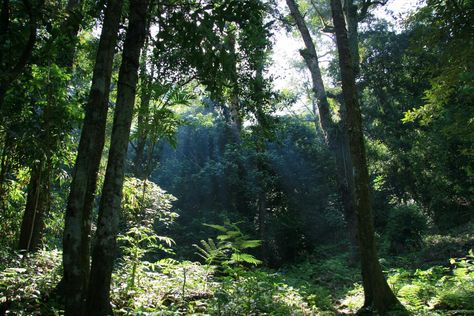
209 251
229 249
246 258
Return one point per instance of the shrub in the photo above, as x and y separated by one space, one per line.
28 281
404 230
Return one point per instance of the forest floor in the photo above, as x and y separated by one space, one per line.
436 280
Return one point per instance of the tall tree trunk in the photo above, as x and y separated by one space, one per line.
4 167
39 186
335 137
351 18
262 202
143 119
81 197
104 250
378 294
234 102
37 205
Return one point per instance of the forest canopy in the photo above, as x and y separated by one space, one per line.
247 157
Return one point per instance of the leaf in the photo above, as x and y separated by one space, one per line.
217 227
250 243
169 241
245 257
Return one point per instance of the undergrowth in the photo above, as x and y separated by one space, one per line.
169 287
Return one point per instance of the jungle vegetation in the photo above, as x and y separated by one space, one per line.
150 164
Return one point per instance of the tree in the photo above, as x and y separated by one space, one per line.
63 47
10 72
104 249
334 135
378 294
422 104
81 197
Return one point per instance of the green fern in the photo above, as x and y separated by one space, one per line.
229 250
246 258
210 251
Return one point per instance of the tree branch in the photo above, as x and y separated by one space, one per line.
366 4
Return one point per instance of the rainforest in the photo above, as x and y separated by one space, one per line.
236 157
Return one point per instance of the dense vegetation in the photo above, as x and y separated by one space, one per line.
149 166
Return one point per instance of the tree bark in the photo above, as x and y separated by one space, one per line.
352 22
37 205
143 120
378 294
335 137
4 167
104 250
81 197
234 102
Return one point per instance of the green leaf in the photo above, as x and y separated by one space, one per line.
217 227
245 257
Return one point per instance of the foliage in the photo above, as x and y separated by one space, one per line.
413 161
228 252
437 287
181 287
215 180
405 228
28 281
276 181
144 202
137 242
15 198
258 292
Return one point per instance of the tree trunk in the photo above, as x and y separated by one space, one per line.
104 250
38 193
81 197
4 167
351 18
234 102
335 137
37 205
143 120
378 294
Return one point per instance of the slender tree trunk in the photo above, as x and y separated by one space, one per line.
335 137
104 251
234 104
143 119
81 197
262 201
37 205
38 193
4 166
378 294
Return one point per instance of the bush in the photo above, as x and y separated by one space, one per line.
262 293
28 281
436 288
405 228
